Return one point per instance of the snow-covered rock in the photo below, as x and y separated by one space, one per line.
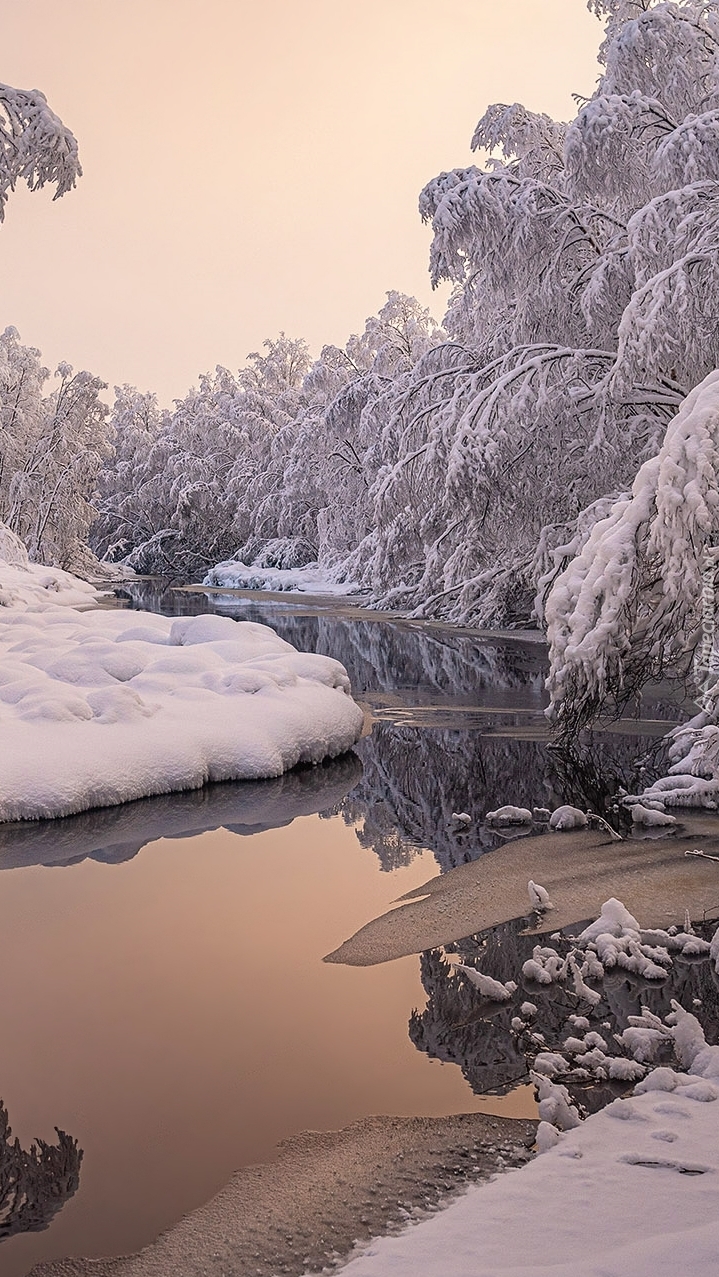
567 818
462 818
538 897
650 816
614 920
104 706
509 815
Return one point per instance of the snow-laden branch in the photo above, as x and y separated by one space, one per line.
35 145
627 606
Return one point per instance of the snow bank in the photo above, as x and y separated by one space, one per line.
26 586
234 575
115 834
630 1190
101 707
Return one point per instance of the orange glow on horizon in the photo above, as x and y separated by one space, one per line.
251 168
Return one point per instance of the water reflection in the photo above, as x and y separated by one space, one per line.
380 654
35 1183
413 781
116 834
458 725
459 1027
181 944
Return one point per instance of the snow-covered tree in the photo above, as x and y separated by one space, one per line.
130 499
584 259
273 465
483 473
52 447
35 145
628 606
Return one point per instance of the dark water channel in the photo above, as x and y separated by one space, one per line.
165 1002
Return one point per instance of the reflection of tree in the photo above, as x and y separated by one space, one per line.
379 655
416 777
34 1183
458 1026
414 780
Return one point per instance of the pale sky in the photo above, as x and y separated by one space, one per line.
252 167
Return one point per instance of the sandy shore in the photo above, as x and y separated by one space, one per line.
654 878
326 1190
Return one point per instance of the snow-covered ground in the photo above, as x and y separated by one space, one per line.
310 579
26 586
630 1192
98 707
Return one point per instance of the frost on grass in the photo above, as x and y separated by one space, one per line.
100 707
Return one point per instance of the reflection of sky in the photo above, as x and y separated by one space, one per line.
253 167
174 1014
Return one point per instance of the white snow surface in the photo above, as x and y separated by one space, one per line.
103 706
566 817
630 1191
650 817
26 586
311 579
509 815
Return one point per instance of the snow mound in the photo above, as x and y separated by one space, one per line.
650 817
29 587
509 815
538 897
567 818
101 707
310 579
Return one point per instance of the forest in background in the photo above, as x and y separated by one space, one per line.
479 472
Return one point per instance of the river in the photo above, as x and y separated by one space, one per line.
166 1003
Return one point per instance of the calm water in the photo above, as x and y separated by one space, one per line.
167 1005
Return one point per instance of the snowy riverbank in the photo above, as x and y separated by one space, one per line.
311 579
631 1192
99 707
325 1189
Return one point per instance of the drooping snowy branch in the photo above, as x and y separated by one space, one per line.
626 607
35 145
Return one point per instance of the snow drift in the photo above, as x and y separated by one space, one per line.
104 706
